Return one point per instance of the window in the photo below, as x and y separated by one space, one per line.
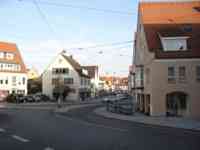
142 76
60 61
174 43
1 81
171 74
1 55
1 66
10 67
197 9
198 73
68 81
60 70
13 92
20 92
182 73
65 70
9 56
183 103
14 80
147 75
55 81
6 81
23 80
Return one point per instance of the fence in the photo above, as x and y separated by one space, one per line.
121 107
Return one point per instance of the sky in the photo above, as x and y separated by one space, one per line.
42 34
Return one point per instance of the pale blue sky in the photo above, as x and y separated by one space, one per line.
22 24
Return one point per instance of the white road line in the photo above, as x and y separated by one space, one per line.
21 139
48 148
93 124
2 130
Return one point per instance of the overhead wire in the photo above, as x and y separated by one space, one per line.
87 8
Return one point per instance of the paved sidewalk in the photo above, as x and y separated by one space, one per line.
161 121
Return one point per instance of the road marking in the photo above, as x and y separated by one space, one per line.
48 148
21 139
2 130
93 124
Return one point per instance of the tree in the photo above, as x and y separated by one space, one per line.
60 91
34 86
66 92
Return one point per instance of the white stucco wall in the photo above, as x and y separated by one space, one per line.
10 87
47 76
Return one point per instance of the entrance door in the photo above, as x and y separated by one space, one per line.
176 104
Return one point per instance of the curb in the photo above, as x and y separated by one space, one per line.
44 106
109 115
68 108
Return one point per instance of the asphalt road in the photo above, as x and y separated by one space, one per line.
81 129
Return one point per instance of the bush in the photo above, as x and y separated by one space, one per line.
11 98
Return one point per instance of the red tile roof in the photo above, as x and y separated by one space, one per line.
12 48
169 12
75 65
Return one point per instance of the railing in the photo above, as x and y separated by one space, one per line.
121 107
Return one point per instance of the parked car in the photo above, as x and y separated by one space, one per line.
29 99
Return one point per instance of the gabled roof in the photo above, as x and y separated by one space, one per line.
91 70
75 65
12 48
169 12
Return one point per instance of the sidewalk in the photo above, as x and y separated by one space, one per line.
160 121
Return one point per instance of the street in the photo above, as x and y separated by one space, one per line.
82 129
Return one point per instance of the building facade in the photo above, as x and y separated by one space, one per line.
13 77
131 81
67 72
167 59
93 72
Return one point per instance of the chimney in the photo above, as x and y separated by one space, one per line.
63 51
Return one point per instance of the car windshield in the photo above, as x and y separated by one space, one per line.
100 74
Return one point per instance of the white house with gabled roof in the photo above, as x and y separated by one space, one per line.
13 77
67 71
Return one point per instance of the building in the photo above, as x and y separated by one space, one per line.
93 72
111 83
167 59
13 77
121 84
32 73
64 71
106 82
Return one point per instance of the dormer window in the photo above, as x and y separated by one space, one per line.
174 43
197 9
9 56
